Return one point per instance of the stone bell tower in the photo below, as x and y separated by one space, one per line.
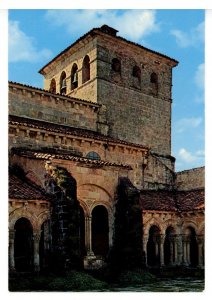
133 83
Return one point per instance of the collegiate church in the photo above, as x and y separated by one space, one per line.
104 115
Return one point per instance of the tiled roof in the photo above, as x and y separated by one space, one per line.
162 200
62 97
94 31
49 155
191 200
52 127
23 189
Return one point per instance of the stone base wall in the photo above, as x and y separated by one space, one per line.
191 179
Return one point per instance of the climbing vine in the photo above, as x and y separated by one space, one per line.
127 245
65 218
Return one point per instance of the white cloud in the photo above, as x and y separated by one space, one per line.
132 24
21 46
199 77
187 123
187 157
189 39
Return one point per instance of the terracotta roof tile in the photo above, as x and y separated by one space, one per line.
191 200
52 127
160 200
25 190
182 201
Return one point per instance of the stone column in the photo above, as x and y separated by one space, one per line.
36 239
145 241
89 230
161 241
188 251
185 256
171 251
200 242
11 250
179 251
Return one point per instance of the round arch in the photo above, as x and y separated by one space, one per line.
22 213
23 245
153 221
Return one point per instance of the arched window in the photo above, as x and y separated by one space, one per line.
93 155
136 72
86 69
116 65
154 83
63 83
74 77
52 87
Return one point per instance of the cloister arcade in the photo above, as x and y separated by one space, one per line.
30 242
172 245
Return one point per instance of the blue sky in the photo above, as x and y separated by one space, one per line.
36 36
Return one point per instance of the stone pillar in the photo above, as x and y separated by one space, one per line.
179 251
145 241
185 252
89 231
11 250
161 241
36 239
200 242
188 251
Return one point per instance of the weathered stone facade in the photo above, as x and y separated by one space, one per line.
104 114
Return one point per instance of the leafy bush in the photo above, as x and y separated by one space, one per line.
135 277
76 281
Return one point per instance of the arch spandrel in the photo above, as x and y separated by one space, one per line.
93 192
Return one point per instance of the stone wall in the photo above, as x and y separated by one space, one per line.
134 112
191 179
37 104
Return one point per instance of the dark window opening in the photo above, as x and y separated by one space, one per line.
136 72
154 84
52 87
116 65
86 69
74 77
63 83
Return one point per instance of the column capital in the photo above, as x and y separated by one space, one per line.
37 235
200 239
162 238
